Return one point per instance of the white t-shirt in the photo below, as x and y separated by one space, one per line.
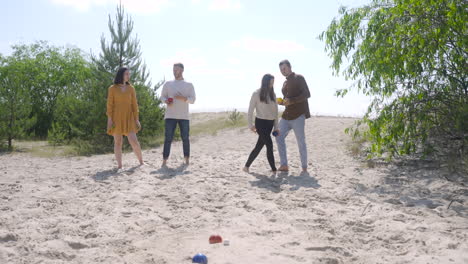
178 109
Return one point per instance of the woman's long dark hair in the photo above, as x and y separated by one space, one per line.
267 93
119 77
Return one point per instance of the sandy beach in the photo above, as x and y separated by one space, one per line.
80 210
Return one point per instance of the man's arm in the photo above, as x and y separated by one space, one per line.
191 97
303 96
164 93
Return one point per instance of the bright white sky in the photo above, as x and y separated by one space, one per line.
225 45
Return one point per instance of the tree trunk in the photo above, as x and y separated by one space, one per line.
10 147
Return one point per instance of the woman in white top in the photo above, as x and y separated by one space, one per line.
263 101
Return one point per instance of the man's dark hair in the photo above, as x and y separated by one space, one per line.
285 62
179 65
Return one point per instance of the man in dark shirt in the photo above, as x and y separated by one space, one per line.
295 94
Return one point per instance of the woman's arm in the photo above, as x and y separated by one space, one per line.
275 123
252 105
135 109
110 103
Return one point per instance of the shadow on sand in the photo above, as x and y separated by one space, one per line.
166 173
106 174
420 183
274 182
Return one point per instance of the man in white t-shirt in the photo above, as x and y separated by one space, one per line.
177 94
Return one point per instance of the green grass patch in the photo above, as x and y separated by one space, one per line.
43 149
212 126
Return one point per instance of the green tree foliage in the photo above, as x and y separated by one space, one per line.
410 56
51 71
60 93
124 50
15 104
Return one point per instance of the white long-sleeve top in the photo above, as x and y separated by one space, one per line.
267 111
178 109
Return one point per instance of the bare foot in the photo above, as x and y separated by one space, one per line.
187 161
164 164
304 169
283 168
246 169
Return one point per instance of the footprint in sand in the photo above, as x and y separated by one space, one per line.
91 235
361 226
77 245
327 261
338 250
4 238
126 214
291 244
296 258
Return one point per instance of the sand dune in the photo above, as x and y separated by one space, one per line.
79 210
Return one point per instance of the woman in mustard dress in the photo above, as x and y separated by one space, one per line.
122 115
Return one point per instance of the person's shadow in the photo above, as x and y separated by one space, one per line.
104 175
274 182
101 176
167 173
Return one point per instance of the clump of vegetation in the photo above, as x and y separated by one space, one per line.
410 57
234 117
59 94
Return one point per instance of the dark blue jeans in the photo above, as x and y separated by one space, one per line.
184 126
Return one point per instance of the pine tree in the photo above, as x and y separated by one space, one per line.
122 50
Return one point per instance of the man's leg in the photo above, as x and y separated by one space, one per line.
184 126
170 125
280 141
298 125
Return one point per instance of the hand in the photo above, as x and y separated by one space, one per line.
277 132
286 102
182 98
138 124
253 129
110 124
168 102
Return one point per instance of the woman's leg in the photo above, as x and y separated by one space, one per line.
253 155
118 149
266 137
258 147
133 140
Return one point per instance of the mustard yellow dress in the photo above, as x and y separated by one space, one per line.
122 107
